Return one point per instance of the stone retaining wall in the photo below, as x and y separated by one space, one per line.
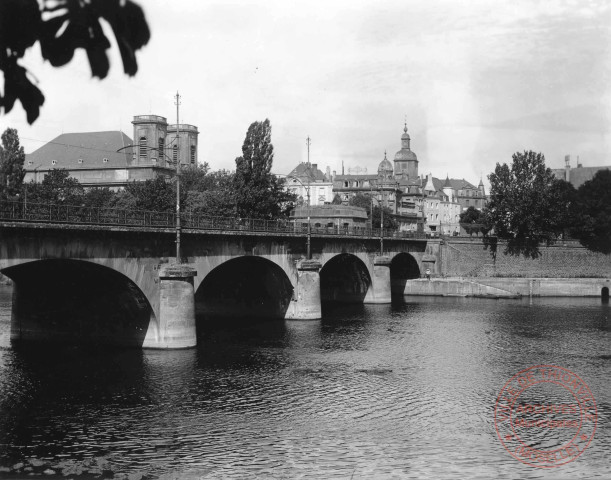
469 258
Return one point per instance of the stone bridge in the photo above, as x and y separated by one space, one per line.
120 284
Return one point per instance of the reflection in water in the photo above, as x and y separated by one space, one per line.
377 391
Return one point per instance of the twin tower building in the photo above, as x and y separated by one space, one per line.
112 159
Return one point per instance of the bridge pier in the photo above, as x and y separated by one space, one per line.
380 289
176 323
305 304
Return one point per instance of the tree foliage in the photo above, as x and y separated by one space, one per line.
364 201
57 187
472 220
62 26
12 157
259 193
523 204
592 213
155 195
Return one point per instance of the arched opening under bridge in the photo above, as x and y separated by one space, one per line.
403 267
244 288
76 302
604 294
344 279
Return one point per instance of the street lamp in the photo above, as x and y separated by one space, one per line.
381 219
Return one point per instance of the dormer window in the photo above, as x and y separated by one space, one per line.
30 162
105 160
53 162
80 160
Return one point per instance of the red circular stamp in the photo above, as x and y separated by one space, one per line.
545 416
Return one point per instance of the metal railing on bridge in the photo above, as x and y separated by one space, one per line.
102 216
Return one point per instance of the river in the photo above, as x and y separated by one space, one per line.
378 391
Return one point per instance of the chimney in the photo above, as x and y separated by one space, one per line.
315 166
578 162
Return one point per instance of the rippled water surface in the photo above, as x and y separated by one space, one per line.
401 391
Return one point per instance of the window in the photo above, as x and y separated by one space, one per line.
105 160
80 160
53 162
192 154
142 148
175 154
160 147
345 184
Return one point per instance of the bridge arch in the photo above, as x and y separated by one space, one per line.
77 302
244 287
403 267
344 278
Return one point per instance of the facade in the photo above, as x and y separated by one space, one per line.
112 159
417 202
576 176
330 216
306 179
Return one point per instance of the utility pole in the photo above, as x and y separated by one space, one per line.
308 143
178 257
309 247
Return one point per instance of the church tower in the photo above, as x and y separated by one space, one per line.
406 161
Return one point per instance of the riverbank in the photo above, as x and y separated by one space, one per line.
507 287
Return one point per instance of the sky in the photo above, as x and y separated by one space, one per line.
475 81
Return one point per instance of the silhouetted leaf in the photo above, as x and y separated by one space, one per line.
18 86
19 25
130 28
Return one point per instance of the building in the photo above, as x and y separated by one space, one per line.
417 202
330 217
576 176
111 159
306 179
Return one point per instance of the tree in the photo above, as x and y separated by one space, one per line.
98 197
56 188
157 195
522 206
472 221
259 193
592 213
215 196
12 157
62 26
364 201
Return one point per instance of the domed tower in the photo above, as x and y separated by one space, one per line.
406 161
385 170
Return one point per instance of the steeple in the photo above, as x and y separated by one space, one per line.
406 161
405 138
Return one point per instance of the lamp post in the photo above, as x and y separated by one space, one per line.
309 236
178 227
